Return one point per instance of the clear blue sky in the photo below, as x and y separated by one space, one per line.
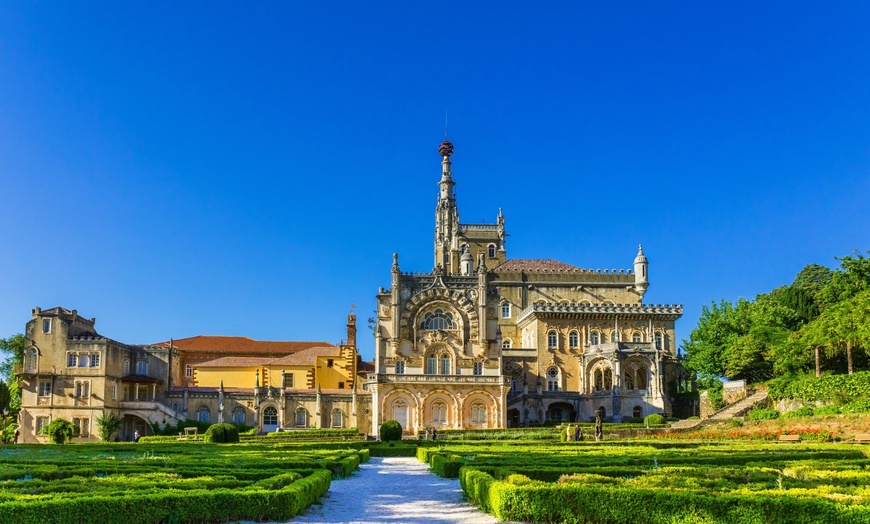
183 168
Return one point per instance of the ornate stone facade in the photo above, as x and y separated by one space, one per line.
483 341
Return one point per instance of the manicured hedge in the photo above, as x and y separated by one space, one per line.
216 505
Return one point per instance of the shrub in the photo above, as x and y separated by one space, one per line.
221 433
60 430
827 410
736 423
655 418
107 425
805 411
856 406
763 414
391 430
635 420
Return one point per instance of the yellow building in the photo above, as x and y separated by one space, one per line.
484 341
72 372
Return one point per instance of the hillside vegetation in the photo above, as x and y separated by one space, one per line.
820 323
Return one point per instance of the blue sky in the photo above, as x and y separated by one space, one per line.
227 169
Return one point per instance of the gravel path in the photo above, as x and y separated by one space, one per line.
396 490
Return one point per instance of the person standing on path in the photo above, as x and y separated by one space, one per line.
599 432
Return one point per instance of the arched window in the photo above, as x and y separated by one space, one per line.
507 343
400 367
573 340
203 415
614 336
477 369
491 250
658 341
238 415
301 418
598 379
175 407
602 412
595 338
270 416
556 415
608 379
439 413
337 418
629 379
444 365
30 360
552 339
478 413
505 310
431 365
438 319
635 337
636 412
553 379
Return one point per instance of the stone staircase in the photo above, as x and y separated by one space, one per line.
739 408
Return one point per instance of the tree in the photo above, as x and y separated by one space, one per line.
107 425
812 279
12 350
60 430
842 327
851 278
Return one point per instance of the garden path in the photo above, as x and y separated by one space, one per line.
396 490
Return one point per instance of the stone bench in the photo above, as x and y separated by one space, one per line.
789 438
862 438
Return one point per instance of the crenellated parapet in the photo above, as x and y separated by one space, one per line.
660 311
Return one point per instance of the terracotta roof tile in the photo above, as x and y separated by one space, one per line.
365 366
234 362
533 265
306 357
218 344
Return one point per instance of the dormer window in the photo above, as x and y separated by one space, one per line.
142 367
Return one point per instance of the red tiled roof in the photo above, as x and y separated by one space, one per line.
362 365
217 344
533 265
233 362
306 357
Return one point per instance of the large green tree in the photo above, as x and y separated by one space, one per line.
12 354
842 327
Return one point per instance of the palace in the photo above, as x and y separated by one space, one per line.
484 341
481 341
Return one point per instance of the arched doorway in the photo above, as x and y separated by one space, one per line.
270 419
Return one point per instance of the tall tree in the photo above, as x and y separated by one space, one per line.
12 351
851 278
842 327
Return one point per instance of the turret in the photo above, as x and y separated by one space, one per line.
641 271
466 263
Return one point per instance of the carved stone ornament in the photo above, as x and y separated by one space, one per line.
406 294
472 294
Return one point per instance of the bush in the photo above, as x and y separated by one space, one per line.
635 420
735 423
221 433
827 410
655 418
763 414
805 411
391 430
60 430
107 425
